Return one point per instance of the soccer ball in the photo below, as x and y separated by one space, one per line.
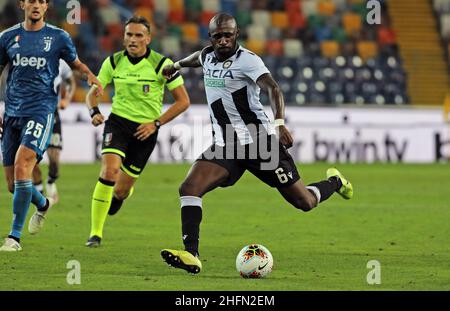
254 261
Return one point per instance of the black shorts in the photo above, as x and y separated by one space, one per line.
56 139
118 139
270 162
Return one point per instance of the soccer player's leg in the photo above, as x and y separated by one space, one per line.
116 137
279 171
37 137
138 153
123 189
101 198
346 190
37 179
204 176
307 197
53 153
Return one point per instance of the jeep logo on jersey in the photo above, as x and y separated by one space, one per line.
48 43
38 62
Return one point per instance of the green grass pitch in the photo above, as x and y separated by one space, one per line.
400 216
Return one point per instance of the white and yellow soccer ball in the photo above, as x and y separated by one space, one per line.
254 261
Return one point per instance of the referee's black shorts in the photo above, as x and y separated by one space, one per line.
118 138
268 160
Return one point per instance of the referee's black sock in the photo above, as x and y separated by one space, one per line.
115 206
322 190
191 217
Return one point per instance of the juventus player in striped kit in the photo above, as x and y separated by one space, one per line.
233 78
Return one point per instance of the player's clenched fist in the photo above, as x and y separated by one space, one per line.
169 71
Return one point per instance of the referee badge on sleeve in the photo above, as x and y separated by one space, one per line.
146 88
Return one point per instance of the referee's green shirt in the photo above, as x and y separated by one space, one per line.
139 88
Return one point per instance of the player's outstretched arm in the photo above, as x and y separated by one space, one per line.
269 85
182 103
87 75
190 61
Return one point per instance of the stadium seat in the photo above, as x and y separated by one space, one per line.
274 47
262 18
229 6
115 31
367 49
176 17
72 29
170 45
274 34
109 15
243 18
292 48
309 7
351 22
162 6
176 5
256 32
145 12
441 6
329 48
205 17
296 20
323 33
341 5
339 35
445 25
326 8
292 6
280 20
256 46
195 5
211 5
190 32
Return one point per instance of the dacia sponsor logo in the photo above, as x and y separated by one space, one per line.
219 73
38 62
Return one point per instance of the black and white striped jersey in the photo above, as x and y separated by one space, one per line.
233 95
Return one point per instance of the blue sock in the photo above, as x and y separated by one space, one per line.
38 199
23 190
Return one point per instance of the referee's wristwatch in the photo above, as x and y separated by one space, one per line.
157 124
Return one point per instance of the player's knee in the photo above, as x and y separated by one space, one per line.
109 173
189 189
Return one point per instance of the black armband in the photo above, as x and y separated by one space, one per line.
94 111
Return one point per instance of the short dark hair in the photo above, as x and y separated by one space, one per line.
138 20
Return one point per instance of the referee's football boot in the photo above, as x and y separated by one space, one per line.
346 190
94 241
182 260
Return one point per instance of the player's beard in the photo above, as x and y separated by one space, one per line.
227 52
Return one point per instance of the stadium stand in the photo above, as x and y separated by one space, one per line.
320 51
